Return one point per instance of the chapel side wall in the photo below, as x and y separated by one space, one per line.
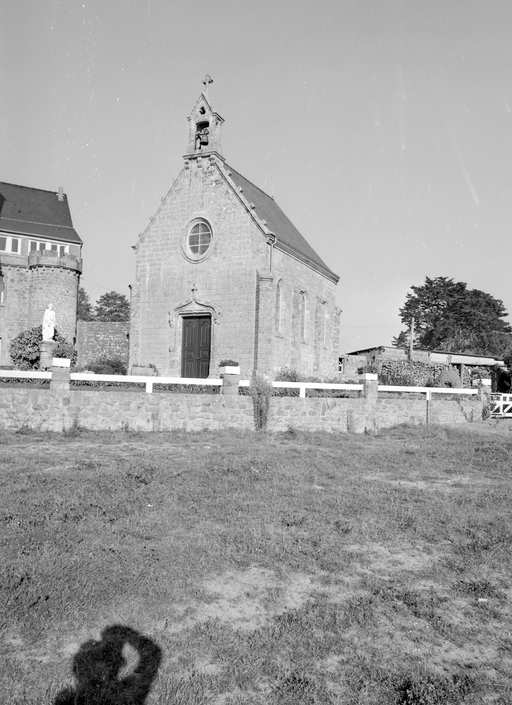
225 280
317 352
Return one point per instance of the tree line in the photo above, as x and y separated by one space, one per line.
111 306
450 317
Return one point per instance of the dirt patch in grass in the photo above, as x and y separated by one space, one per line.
264 569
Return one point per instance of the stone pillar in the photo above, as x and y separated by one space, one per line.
336 338
370 386
47 350
264 322
484 393
61 374
230 383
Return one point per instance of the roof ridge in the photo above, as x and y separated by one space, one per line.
35 222
31 188
252 184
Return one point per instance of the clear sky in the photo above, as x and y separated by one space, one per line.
383 128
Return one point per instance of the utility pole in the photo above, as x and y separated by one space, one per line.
411 338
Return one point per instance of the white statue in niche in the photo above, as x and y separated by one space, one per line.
49 323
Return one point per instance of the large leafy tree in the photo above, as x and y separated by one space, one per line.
448 316
112 307
84 311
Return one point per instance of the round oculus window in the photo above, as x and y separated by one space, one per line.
199 239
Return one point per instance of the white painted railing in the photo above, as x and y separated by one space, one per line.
149 381
428 391
501 406
29 374
302 386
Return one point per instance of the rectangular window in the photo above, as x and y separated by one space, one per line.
52 246
9 244
1 289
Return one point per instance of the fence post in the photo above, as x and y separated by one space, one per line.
428 395
61 374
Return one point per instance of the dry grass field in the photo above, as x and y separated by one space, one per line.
242 569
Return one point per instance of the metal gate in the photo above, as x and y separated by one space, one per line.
501 406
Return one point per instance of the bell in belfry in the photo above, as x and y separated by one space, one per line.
202 135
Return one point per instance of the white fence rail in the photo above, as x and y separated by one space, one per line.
148 381
30 374
503 402
302 386
428 391
501 406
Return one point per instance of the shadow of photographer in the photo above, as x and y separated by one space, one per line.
98 666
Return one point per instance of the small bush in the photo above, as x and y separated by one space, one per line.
228 363
413 373
108 366
448 378
286 374
260 390
25 349
371 367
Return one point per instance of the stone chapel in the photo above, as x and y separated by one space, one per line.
222 273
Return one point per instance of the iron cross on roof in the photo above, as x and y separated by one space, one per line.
207 80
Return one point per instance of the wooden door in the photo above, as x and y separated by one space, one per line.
195 350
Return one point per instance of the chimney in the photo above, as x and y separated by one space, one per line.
60 194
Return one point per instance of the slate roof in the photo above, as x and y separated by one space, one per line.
278 223
32 211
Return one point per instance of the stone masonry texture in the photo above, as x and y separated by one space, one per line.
98 409
29 286
235 284
101 339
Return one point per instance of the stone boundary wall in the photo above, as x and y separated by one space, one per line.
60 407
96 339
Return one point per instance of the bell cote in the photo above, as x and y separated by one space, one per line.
204 127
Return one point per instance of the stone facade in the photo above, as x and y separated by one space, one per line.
40 263
268 296
101 339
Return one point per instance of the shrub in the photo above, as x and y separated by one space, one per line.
407 373
371 367
286 374
448 377
25 349
260 390
414 373
228 363
108 366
